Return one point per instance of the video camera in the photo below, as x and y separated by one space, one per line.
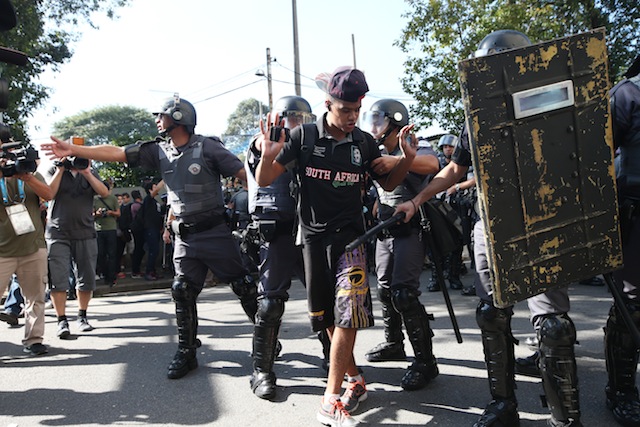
73 162
15 157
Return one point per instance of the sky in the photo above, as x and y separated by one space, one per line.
208 51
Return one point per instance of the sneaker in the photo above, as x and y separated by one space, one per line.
333 414
356 392
63 330
83 325
150 277
8 317
121 275
48 304
36 349
136 275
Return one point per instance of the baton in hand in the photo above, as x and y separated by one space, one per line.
375 230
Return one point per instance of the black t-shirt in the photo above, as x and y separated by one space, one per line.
332 184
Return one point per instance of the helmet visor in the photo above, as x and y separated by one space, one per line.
375 122
295 118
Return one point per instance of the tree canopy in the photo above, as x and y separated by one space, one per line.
440 33
242 124
116 125
45 32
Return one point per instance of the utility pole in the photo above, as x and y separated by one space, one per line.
269 80
296 53
353 45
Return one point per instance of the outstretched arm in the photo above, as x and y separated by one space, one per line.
443 180
58 149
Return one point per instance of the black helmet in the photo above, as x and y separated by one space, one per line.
634 69
383 113
294 110
501 40
180 111
447 139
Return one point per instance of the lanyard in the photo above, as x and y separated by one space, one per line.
5 195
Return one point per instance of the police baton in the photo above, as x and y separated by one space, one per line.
437 259
622 308
373 231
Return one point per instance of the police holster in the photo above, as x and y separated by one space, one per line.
267 229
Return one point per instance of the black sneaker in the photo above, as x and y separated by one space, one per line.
528 365
36 349
10 318
500 412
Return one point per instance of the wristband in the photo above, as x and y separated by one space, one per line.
415 208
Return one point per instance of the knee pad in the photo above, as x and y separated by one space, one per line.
183 290
557 330
405 301
245 287
492 319
270 310
616 321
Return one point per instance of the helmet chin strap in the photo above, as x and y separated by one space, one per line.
384 136
165 132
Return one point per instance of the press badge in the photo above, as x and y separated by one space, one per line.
20 219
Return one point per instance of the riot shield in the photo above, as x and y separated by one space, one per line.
540 134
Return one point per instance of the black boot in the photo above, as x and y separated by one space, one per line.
621 355
497 344
184 295
265 343
557 337
454 266
416 322
392 349
424 368
247 291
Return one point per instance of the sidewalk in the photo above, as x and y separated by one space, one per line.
116 374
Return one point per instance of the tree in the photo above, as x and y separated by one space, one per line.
114 125
440 33
45 31
242 124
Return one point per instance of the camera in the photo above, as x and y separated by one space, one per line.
101 212
275 134
17 157
73 162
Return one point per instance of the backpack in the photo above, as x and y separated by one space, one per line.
124 222
137 222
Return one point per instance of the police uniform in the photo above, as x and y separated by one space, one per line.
555 329
621 352
203 241
273 211
399 260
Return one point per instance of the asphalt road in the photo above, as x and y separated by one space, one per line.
116 374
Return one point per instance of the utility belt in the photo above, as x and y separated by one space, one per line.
184 229
404 229
269 229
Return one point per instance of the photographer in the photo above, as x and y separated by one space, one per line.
106 211
71 237
22 246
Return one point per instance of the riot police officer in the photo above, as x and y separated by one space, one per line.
400 251
549 311
621 352
191 166
273 210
